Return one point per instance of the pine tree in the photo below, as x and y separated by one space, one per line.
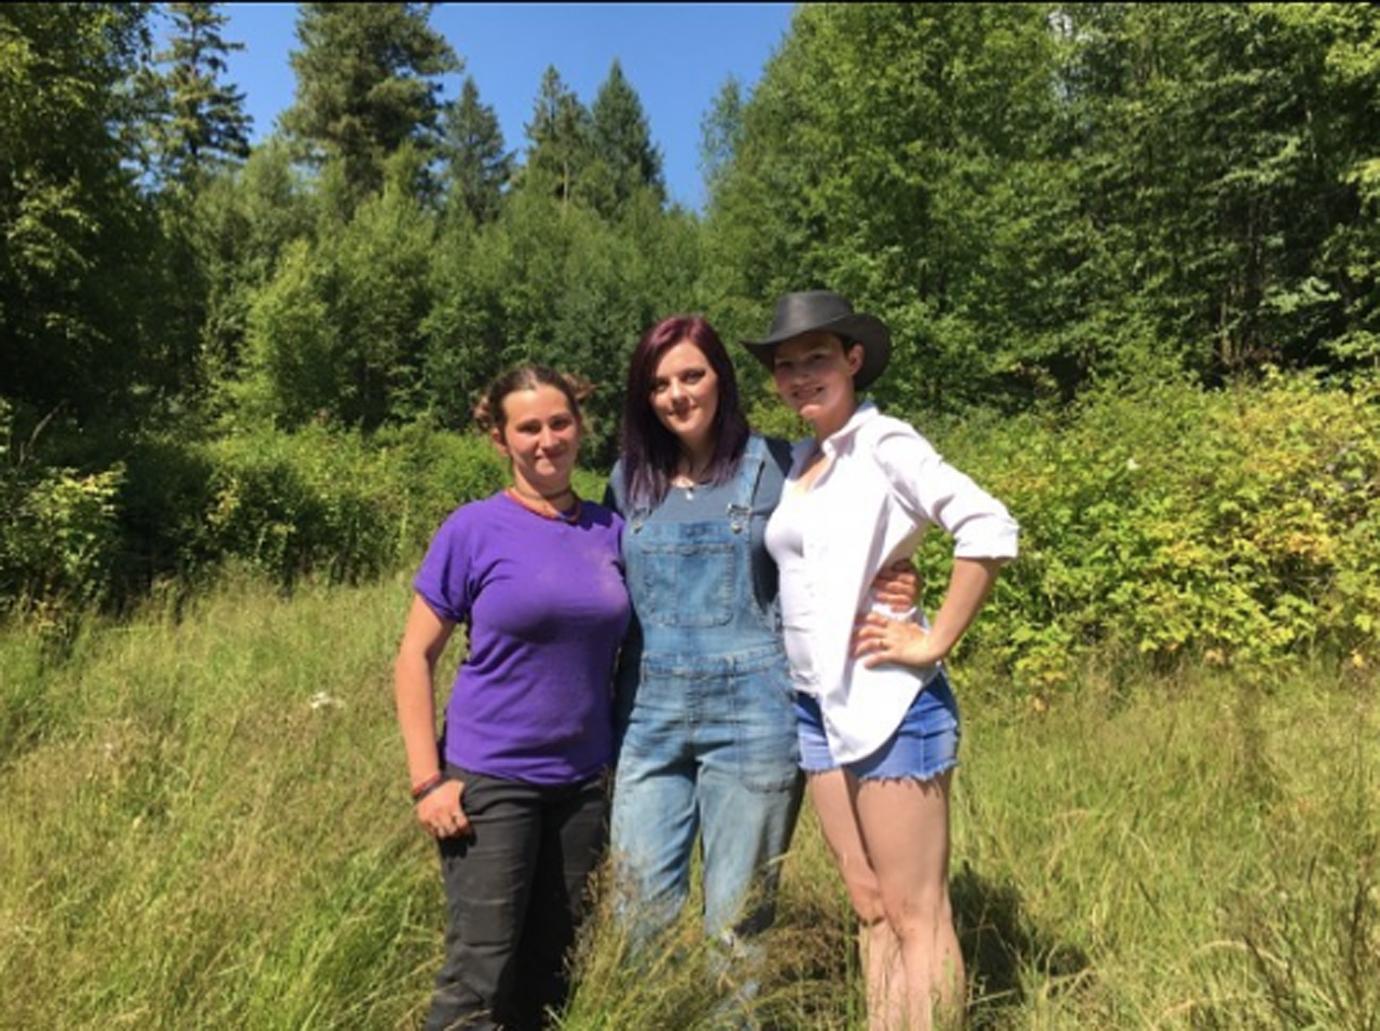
364 85
478 165
720 129
559 134
205 124
622 140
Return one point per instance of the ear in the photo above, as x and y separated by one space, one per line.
496 436
855 358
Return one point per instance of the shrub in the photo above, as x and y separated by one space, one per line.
341 504
338 504
293 503
59 537
1239 525
436 471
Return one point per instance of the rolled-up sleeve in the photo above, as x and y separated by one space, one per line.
444 580
929 488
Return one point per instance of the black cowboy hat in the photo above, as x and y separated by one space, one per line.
811 310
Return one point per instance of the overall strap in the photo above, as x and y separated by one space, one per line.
634 516
749 472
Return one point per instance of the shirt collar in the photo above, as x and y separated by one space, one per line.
863 414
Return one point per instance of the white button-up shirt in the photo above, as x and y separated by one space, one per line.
883 487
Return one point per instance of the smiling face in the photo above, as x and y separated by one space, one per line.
540 435
814 375
685 395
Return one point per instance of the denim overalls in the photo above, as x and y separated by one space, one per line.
704 711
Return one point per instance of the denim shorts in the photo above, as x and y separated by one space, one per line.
923 746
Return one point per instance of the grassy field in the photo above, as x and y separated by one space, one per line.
203 822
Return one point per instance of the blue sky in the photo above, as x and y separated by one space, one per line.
675 55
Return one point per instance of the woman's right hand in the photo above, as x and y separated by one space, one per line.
897 586
440 813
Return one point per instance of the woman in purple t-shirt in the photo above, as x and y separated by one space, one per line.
515 792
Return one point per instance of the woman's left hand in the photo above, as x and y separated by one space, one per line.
877 639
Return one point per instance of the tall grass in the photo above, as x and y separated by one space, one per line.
203 822
208 825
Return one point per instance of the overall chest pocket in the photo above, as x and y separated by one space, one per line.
686 577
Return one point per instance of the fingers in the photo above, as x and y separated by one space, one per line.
871 636
452 825
869 627
460 824
895 586
447 823
878 640
898 586
868 640
441 814
874 645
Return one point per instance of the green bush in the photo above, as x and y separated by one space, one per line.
337 504
295 503
1239 525
437 471
59 537
163 503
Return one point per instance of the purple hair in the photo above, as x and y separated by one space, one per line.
650 450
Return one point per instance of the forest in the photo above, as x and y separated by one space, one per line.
214 351
1130 257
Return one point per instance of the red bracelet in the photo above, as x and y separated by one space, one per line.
427 786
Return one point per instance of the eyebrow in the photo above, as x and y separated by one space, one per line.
679 372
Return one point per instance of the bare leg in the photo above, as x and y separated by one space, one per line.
905 828
832 794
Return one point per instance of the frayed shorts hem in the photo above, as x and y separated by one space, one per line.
883 778
923 747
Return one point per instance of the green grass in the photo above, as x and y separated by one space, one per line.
203 821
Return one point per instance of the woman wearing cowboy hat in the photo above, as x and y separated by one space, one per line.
878 723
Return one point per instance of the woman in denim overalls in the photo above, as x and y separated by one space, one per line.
704 698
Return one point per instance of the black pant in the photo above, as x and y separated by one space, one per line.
515 891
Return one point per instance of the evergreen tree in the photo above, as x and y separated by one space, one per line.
205 123
622 141
720 129
364 85
478 166
559 139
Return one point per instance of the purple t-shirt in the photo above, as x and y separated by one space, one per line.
546 607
